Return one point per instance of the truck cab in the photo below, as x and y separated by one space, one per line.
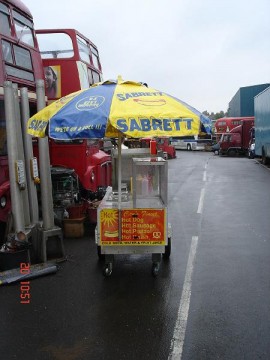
164 144
230 144
237 141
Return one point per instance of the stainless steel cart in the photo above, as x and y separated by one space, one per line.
140 224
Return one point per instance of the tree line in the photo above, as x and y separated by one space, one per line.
215 116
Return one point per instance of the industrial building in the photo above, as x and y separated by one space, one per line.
242 103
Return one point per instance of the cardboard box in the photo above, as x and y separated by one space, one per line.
74 228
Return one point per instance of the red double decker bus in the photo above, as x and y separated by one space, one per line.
20 63
226 124
75 63
71 61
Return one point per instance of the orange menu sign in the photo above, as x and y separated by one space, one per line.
138 227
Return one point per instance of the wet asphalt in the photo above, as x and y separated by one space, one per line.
78 314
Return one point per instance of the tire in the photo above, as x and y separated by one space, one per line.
231 152
188 147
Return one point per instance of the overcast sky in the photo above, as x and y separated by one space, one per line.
200 51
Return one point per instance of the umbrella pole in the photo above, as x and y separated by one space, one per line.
119 186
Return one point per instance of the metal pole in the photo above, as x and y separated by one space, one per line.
19 132
44 167
28 151
119 170
15 192
119 185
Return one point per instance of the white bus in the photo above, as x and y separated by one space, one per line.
189 143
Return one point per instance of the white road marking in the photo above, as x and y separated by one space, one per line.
199 211
182 317
204 176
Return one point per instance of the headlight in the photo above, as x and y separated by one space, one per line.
3 201
92 176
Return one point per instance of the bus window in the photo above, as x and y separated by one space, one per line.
95 77
95 57
7 52
4 20
19 73
23 28
84 51
22 57
85 82
3 142
55 45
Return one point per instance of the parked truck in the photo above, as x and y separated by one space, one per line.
262 125
237 141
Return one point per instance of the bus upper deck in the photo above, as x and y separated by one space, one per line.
65 52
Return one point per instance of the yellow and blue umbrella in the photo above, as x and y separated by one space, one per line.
112 108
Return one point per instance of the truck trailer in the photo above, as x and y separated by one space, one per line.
262 125
237 141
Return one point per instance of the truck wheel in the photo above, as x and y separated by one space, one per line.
231 152
188 147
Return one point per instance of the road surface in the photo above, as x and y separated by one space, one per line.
210 300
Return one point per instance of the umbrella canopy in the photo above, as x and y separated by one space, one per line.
206 122
112 108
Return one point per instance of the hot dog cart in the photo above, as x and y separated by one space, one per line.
140 224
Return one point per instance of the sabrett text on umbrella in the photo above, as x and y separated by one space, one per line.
126 96
38 125
145 124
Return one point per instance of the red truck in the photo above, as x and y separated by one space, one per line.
92 165
237 141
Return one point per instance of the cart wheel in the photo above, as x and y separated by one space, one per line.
168 247
101 256
107 271
155 269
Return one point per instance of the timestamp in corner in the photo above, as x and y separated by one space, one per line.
25 295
